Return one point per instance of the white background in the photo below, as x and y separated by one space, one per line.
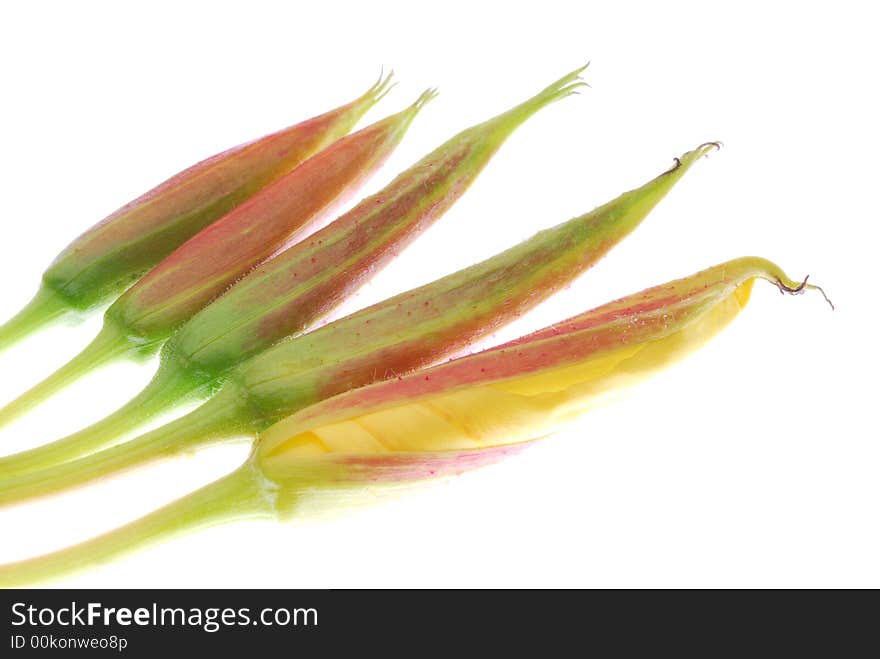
755 463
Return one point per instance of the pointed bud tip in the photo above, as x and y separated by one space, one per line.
426 96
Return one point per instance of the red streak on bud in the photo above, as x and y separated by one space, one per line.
402 467
208 263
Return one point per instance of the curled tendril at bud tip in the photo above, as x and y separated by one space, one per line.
800 288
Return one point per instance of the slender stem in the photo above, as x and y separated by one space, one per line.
45 307
240 495
204 425
169 388
109 345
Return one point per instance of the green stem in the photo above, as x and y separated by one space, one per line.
169 388
109 345
45 307
204 425
242 494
